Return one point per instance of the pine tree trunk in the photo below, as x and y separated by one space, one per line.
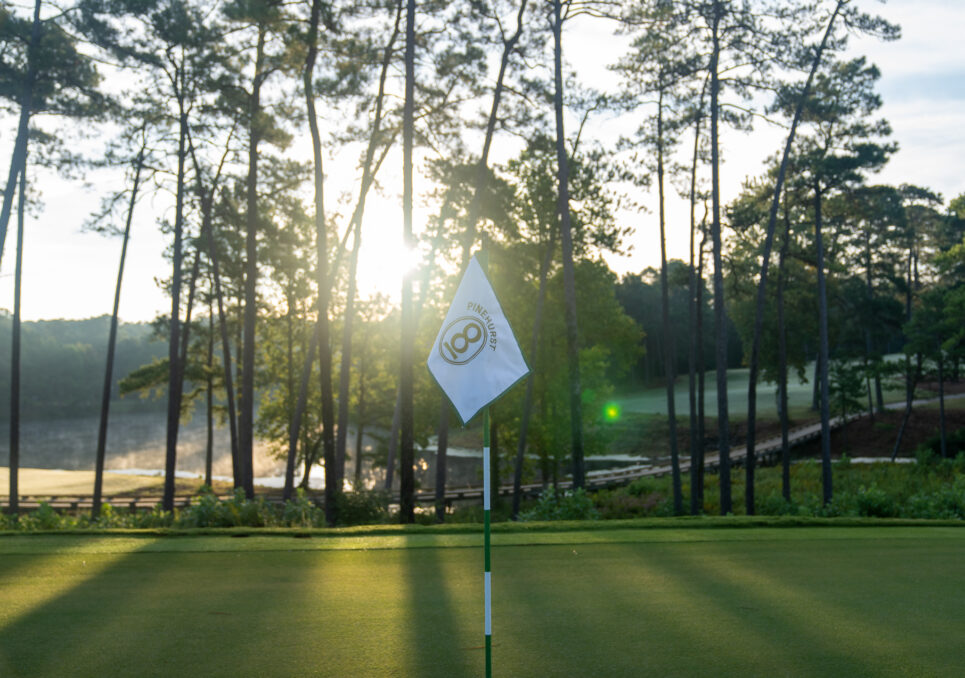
816 381
406 377
569 276
720 313
941 402
14 466
393 447
226 358
18 160
868 343
174 354
359 431
111 344
247 420
910 377
332 479
782 360
442 443
289 491
701 375
823 351
696 449
668 356
531 378
360 427
209 411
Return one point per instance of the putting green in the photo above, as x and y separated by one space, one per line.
823 601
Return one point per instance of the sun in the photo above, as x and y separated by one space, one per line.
383 262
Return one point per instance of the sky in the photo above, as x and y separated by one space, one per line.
69 273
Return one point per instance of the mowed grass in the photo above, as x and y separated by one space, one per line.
802 601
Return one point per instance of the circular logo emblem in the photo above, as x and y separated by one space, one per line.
462 340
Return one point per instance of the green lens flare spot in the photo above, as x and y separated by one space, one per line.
611 412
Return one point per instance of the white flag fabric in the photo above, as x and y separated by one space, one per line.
475 357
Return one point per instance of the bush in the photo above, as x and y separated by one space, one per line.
925 455
302 511
208 512
108 518
44 518
156 517
615 504
931 449
873 502
238 511
775 504
362 508
569 505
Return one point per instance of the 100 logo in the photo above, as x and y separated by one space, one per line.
462 340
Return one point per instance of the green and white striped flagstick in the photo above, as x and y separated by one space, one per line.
487 572
476 359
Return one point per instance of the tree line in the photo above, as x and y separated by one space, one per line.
204 103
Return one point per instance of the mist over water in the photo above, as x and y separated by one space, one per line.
134 441
138 440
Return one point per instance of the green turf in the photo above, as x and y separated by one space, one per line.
799 393
806 601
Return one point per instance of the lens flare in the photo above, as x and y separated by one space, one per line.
611 412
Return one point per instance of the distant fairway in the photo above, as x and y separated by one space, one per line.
799 395
829 601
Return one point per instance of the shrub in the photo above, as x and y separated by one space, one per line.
44 518
645 486
568 505
156 517
954 445
874 502
775 504
238 511
363 507
616 504
301 511
925 455
108 517
208 512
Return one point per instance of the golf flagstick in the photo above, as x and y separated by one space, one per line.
475 359
487 572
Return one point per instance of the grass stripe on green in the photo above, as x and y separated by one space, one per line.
808 601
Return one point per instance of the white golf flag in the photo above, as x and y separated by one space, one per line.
475 358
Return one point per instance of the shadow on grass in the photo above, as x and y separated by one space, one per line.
439 601
861 609
724 610
170 614
603 610
776 634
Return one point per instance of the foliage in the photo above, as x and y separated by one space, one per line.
210 511
933 489
235 512
847 383
568 505
930 451
363 508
